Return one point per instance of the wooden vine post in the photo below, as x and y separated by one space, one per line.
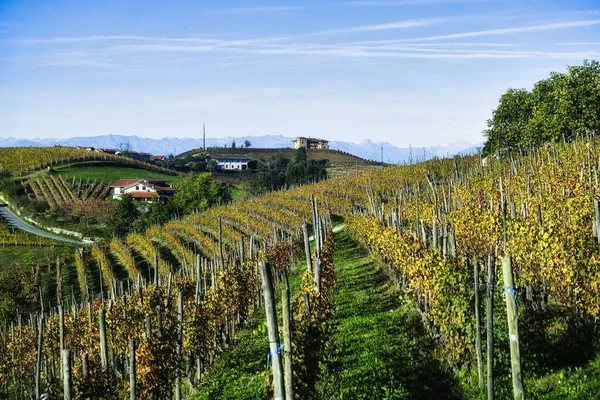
317 274
198 291
103 342
38 359
61 323
287 341
85 368
316 229
273 331
491 270
597 219
156 270
132 371
242 250
306 247
179 341
221 259
478 351
510 295
67 376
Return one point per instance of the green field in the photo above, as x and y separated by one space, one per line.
110 172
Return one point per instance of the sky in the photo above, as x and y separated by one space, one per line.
418 72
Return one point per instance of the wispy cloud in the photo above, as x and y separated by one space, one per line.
210 41
580 44
67 59
136 39
405 3
378 27
81 39
429 43
255 10
120 49
509 31
415 51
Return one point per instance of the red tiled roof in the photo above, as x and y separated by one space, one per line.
124 182
128 182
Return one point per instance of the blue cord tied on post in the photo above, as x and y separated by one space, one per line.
278 351
514 292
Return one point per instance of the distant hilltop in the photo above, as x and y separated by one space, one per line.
366 149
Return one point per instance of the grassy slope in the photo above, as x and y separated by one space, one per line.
379 349
109 173
579 383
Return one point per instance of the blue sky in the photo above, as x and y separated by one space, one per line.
419 72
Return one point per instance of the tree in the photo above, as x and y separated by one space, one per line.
506 128
154 214
197 192
299 156
247 143
579 98
297 169
125 147
559 108
277 172
213 165
124 216
233 144
270 175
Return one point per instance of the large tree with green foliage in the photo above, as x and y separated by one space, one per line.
508 126
559 108
197 192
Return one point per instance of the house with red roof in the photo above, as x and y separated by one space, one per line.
144 190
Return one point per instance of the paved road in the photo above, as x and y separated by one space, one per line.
17 222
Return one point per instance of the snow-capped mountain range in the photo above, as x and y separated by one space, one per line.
164 146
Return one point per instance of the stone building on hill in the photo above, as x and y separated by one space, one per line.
310 143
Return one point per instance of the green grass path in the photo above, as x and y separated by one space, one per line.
379 348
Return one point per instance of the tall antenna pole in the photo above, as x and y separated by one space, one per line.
382 154
204 136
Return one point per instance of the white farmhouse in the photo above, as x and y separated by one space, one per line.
146 190
231 163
